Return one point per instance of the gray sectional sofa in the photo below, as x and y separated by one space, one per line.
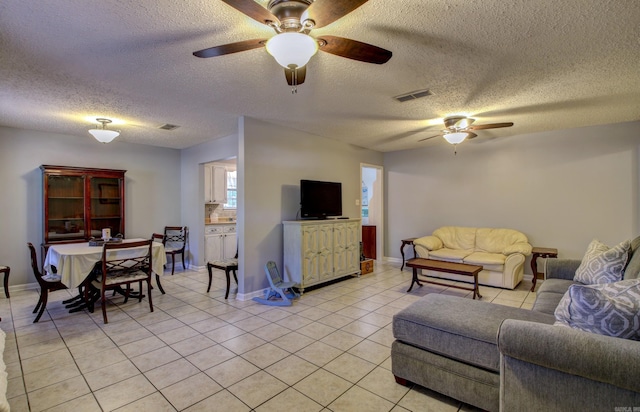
510 359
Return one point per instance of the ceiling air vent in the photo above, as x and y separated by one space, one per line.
168 126
413 95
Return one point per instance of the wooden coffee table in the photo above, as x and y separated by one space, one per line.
447 267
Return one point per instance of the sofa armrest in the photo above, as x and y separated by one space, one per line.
519 247
425 244
588 355
561 268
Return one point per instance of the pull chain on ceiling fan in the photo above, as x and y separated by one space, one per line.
292 46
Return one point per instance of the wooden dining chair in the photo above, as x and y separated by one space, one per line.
175 241
229 266
49 283
6 270
122 265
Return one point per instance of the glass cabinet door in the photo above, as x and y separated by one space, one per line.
79 202
106 206
65 217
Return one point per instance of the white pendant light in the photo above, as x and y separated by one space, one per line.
102 134
455 138
292 49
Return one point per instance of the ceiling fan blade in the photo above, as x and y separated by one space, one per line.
430 137
471 135
253 10
230 48
490 126
324 12
353 49
295 77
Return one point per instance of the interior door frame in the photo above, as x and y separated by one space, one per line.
379 204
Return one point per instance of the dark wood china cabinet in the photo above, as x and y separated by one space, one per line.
79 202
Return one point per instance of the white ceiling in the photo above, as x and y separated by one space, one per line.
543 64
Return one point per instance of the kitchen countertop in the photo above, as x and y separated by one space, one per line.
220 222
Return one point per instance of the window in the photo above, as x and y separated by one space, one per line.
232 190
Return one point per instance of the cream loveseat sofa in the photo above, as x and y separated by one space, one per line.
501 252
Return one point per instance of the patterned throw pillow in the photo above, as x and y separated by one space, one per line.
602 264
611 309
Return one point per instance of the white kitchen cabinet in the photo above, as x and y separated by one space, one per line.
220 242
215 184
317 251
229 242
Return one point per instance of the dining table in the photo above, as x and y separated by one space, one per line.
73 262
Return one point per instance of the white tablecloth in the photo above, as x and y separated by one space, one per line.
74 261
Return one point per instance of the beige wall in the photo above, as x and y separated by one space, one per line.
151 180
192 189
272 160
560 188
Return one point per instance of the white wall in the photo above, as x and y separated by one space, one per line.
271 162
560 188
151 181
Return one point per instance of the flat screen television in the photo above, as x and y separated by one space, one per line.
318 200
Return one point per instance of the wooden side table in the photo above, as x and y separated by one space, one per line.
540 252
408 241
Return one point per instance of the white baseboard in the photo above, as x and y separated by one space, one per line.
26 286
249 296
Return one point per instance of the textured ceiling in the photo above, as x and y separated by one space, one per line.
544 65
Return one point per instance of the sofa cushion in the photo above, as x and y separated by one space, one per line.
602 264
488 261
496 240
450 255
458 328
550 294
555 286
547 303
611 309
457 237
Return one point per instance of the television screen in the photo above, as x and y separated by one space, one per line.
320 199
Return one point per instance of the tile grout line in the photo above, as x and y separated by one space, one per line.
378 302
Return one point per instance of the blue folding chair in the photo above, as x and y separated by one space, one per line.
280 292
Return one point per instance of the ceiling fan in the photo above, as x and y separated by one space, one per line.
292 47
459 128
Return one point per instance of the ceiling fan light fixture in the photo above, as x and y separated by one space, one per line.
102 134
464 123
292 49
455 138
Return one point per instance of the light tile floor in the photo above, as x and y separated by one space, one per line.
330 351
